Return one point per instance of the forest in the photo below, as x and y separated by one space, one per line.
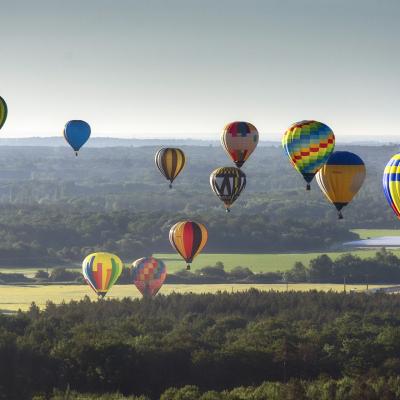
55 207
261 342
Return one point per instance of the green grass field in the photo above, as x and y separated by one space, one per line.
13 298
256 262
373 233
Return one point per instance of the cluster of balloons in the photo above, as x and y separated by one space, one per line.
340 174
310 147
101 270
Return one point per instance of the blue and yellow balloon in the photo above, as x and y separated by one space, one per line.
341 178
76 133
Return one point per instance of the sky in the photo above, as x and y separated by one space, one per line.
185 68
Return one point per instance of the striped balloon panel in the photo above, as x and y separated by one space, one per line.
3 112
188 238
148 275
391 183
239 139
341 177
101 271
308 145
227 183
170 162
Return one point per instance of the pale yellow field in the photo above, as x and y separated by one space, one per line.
13 298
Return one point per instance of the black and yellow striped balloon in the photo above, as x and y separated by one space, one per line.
227 183
170 161
3 112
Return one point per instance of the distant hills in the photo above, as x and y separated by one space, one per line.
138 142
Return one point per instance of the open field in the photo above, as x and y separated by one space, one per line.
373 233
13 298
256 262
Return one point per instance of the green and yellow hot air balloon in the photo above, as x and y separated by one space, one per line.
101 270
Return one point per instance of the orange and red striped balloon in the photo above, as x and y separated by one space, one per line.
188 238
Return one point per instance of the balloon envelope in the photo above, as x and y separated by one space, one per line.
188 238
3 112
239 139
341 178
148 275
308 145
391 183
170 162
76 133
101 270
227 183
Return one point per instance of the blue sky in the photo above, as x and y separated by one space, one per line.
184 68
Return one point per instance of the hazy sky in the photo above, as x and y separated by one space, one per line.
185 68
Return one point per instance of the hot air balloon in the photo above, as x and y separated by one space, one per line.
76 133
170 162
101 270
188 238
308 145
227 183
391 183
341 178
148 275
3 112
239 140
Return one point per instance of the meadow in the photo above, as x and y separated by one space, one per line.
268 262
13 298
256 262
373 233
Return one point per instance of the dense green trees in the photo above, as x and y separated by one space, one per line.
215 342
38 235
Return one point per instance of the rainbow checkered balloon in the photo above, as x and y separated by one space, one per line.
148 275
308 145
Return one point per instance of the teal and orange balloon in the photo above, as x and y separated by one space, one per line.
341 178
101 270
3 112
239 139
308 145
77 133
391 183
148 274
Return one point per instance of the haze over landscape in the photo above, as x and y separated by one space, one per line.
185 68
149 253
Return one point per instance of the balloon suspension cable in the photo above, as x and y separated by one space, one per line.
170 185
340 215
188 267
308 186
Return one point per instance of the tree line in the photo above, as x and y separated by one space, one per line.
45 235
382 268
213 342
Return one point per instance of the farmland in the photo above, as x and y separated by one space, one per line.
16 297
256 262
373 233
269 262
